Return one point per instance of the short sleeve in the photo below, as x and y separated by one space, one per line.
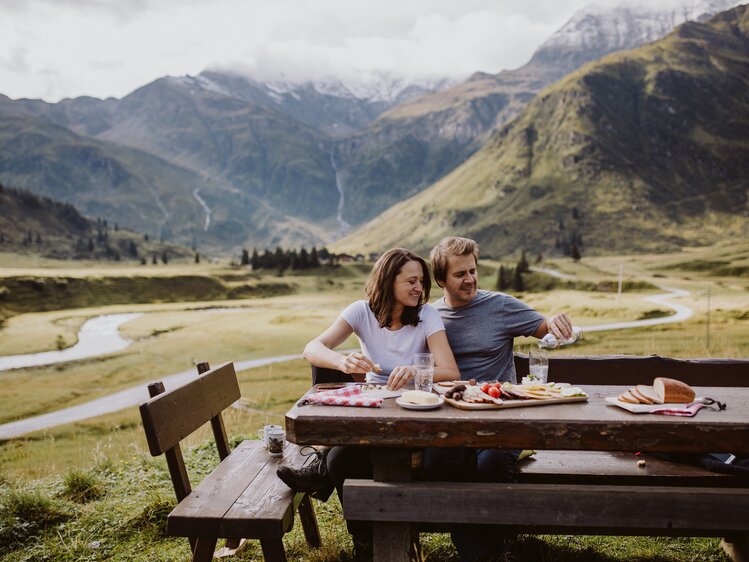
432 320
519 319
355 314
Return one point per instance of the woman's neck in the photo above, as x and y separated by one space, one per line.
395 323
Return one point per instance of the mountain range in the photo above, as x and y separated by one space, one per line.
645 150
221 160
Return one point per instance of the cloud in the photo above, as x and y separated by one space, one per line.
110 47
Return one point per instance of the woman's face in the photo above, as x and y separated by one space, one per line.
409 284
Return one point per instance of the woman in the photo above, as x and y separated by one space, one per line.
393 324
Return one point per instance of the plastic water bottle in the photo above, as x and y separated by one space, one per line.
549 341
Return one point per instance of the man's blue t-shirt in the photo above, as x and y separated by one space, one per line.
481 334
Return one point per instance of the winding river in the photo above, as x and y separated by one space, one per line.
100 336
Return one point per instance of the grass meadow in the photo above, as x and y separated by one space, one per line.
90 490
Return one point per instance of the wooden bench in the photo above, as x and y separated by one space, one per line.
242 498
585 492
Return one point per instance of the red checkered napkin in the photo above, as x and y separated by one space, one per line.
346 396
689 410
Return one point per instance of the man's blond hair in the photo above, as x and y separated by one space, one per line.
451 246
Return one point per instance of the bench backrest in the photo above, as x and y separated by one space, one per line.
170 417
633 369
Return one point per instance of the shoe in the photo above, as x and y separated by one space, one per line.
312 478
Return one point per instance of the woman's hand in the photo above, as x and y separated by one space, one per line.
357 364
399 377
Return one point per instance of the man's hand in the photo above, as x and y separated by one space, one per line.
399 377
357 364
560 326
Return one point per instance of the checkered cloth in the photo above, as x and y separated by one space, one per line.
688 411
346 396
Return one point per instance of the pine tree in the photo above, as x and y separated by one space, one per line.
303 259
314 260
154 261
502 280
197 257
245 258
164 257
575 252
132 249
517 281
522 266
255 260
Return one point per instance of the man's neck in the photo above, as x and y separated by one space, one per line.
459 304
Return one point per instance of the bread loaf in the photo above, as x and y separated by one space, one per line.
420 397
671 391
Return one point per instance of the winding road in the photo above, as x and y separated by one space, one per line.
135 395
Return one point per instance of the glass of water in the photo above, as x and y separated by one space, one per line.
538 366
424 375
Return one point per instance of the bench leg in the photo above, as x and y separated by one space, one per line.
273 550
737 547
392 542
204 548
309 522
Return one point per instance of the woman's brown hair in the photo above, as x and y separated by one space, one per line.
379 287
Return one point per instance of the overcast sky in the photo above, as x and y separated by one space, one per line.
53 49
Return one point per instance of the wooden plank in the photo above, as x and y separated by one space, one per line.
201 512
615 507
170 417
596 467
592 425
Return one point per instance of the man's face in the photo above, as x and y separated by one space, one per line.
462 280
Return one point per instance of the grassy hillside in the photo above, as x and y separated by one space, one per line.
644 150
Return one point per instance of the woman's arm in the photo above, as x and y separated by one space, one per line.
320 352
445 367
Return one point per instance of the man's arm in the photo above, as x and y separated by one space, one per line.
559 325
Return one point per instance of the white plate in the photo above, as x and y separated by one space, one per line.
411 406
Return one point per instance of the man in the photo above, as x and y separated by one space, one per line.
481 327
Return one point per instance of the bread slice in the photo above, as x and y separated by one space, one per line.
649 393
641 397
626 396
671 391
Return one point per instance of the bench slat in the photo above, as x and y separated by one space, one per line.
548 505
170 417
576 467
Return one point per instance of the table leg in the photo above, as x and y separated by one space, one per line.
392 541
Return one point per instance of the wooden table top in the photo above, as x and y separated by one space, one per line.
591 425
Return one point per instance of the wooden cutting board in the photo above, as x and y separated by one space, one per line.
512 403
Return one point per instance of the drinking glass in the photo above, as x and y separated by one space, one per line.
424 375
538 366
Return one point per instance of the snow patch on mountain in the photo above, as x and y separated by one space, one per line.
621 27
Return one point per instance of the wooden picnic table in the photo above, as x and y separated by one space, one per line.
594 425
